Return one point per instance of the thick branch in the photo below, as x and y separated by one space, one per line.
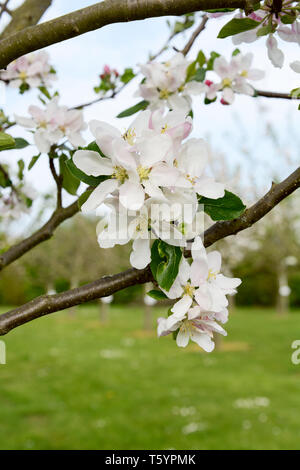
28 14
52 303
41 235
111 284
99 15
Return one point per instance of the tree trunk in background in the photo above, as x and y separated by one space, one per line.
104 311
282 297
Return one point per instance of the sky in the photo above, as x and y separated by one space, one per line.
238 132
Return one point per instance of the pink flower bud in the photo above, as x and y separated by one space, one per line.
224 102
208 82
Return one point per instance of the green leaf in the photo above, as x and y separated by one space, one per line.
45 92
201 59
295 93
70 182
190 71
94 147
33 161
267 29
5 182
21 166
134 109
211 60
236 26
288 19
21 143
220 10
165 261
90 180
226 208
7 142
127 76
84 197
236 52
157 294
200 75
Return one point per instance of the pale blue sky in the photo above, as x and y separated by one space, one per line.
230 129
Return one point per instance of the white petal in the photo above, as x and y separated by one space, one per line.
203 340
182 306
183 337
99 194
214 260
295 66
132 195
92 163
141 254
208 187
199 272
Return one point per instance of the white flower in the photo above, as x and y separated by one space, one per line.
53 124
32 70
234 75
136 161
166 83
194 325
191 162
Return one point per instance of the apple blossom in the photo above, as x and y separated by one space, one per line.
234 75
195 325
137 161
54 123
32 70
165 83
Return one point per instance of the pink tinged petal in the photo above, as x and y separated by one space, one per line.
275 55
141 254
176 290
105 135
214 260
203 340
203 298
295 66
256 74
222 316
193 157
208 187
199 272
182 306
132 195
162 329
183 338
99 194
92 163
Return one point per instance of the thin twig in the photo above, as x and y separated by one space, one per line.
58 180
195 35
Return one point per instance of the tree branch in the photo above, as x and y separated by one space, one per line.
58 181
194 36
99 15
41 235
28 14
275 94
103 287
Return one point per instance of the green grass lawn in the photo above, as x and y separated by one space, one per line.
72 382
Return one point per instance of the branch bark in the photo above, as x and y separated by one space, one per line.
41 235
28 14
99 15
103 287
194 36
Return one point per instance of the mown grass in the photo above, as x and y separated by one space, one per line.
72 382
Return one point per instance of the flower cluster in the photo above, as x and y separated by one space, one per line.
169 84
166 83
234 77
270 21
30 71
152 170
52 124
200 291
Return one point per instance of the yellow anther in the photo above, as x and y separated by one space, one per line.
130 136
22 75
143 172
244 73
120 174
227 82
189 290
164 94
